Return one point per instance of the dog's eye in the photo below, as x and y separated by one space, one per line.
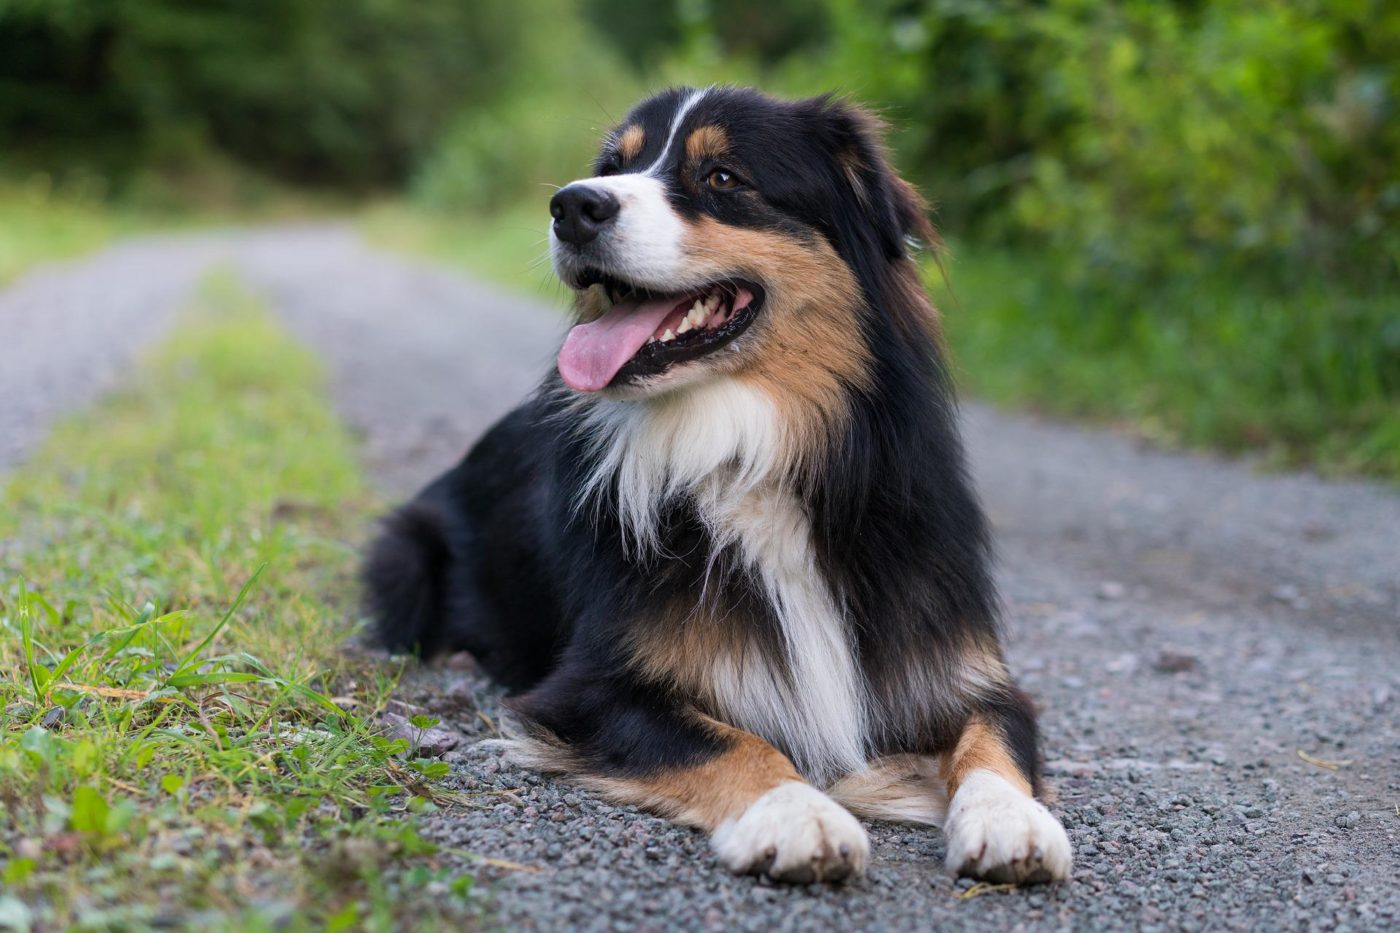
722 180
609 168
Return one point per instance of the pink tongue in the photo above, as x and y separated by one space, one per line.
594 352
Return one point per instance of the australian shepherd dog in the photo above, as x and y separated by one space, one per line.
726 560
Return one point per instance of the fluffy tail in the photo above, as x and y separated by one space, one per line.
899 788
405 575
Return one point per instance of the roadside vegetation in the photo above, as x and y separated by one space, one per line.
41 227
1180 217
1297 376
184 738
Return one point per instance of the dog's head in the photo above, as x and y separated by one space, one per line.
724 231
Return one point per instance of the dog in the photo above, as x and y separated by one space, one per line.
726 561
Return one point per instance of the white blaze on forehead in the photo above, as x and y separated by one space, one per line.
644 244
682 111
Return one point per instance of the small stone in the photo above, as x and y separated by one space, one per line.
461 661
1110 590
1175 662
432 742
1348 820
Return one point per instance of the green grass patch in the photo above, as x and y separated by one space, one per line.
1308 375
182 739
37 225
511 248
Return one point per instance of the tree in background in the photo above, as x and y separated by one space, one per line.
328 92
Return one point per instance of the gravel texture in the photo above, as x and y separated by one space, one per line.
1188 626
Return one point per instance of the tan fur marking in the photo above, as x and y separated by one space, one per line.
708 794
630 142
981 747
707 141
812 352
679 653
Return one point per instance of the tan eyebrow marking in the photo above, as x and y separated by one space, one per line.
706 141
630 142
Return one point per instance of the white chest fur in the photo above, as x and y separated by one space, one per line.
723 443
816 709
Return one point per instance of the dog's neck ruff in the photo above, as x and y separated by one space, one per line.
720 440
724 445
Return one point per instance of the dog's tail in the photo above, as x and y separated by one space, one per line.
405 581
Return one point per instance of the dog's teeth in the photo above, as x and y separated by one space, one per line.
651 340
668 336
697 315
712 301
685 325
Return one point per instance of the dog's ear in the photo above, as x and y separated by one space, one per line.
892 206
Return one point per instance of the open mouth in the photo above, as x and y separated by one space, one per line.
645 333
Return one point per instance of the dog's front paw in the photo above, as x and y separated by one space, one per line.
796 833
998 833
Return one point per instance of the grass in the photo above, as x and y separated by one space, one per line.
511 248
182 739
40 226
1307 376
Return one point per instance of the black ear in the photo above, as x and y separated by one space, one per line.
856 137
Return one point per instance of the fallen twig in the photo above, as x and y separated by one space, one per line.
115 692
1323 762
982 887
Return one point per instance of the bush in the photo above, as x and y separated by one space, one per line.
541 126
1142 136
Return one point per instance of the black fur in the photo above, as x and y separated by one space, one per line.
498 558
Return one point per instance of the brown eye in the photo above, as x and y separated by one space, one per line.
722 180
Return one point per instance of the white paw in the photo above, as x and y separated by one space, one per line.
794 832
998 833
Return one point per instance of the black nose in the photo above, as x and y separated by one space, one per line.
580 212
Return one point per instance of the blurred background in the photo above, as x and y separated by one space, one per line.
1182 216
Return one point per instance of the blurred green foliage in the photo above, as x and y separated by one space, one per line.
1135 137
339 92
1142 136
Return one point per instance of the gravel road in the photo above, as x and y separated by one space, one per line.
1191 629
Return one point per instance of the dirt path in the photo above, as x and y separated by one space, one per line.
1189 628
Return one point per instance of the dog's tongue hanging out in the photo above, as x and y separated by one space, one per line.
594 352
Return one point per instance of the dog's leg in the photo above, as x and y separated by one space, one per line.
995 827
761 816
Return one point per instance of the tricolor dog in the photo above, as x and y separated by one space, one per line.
726 559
